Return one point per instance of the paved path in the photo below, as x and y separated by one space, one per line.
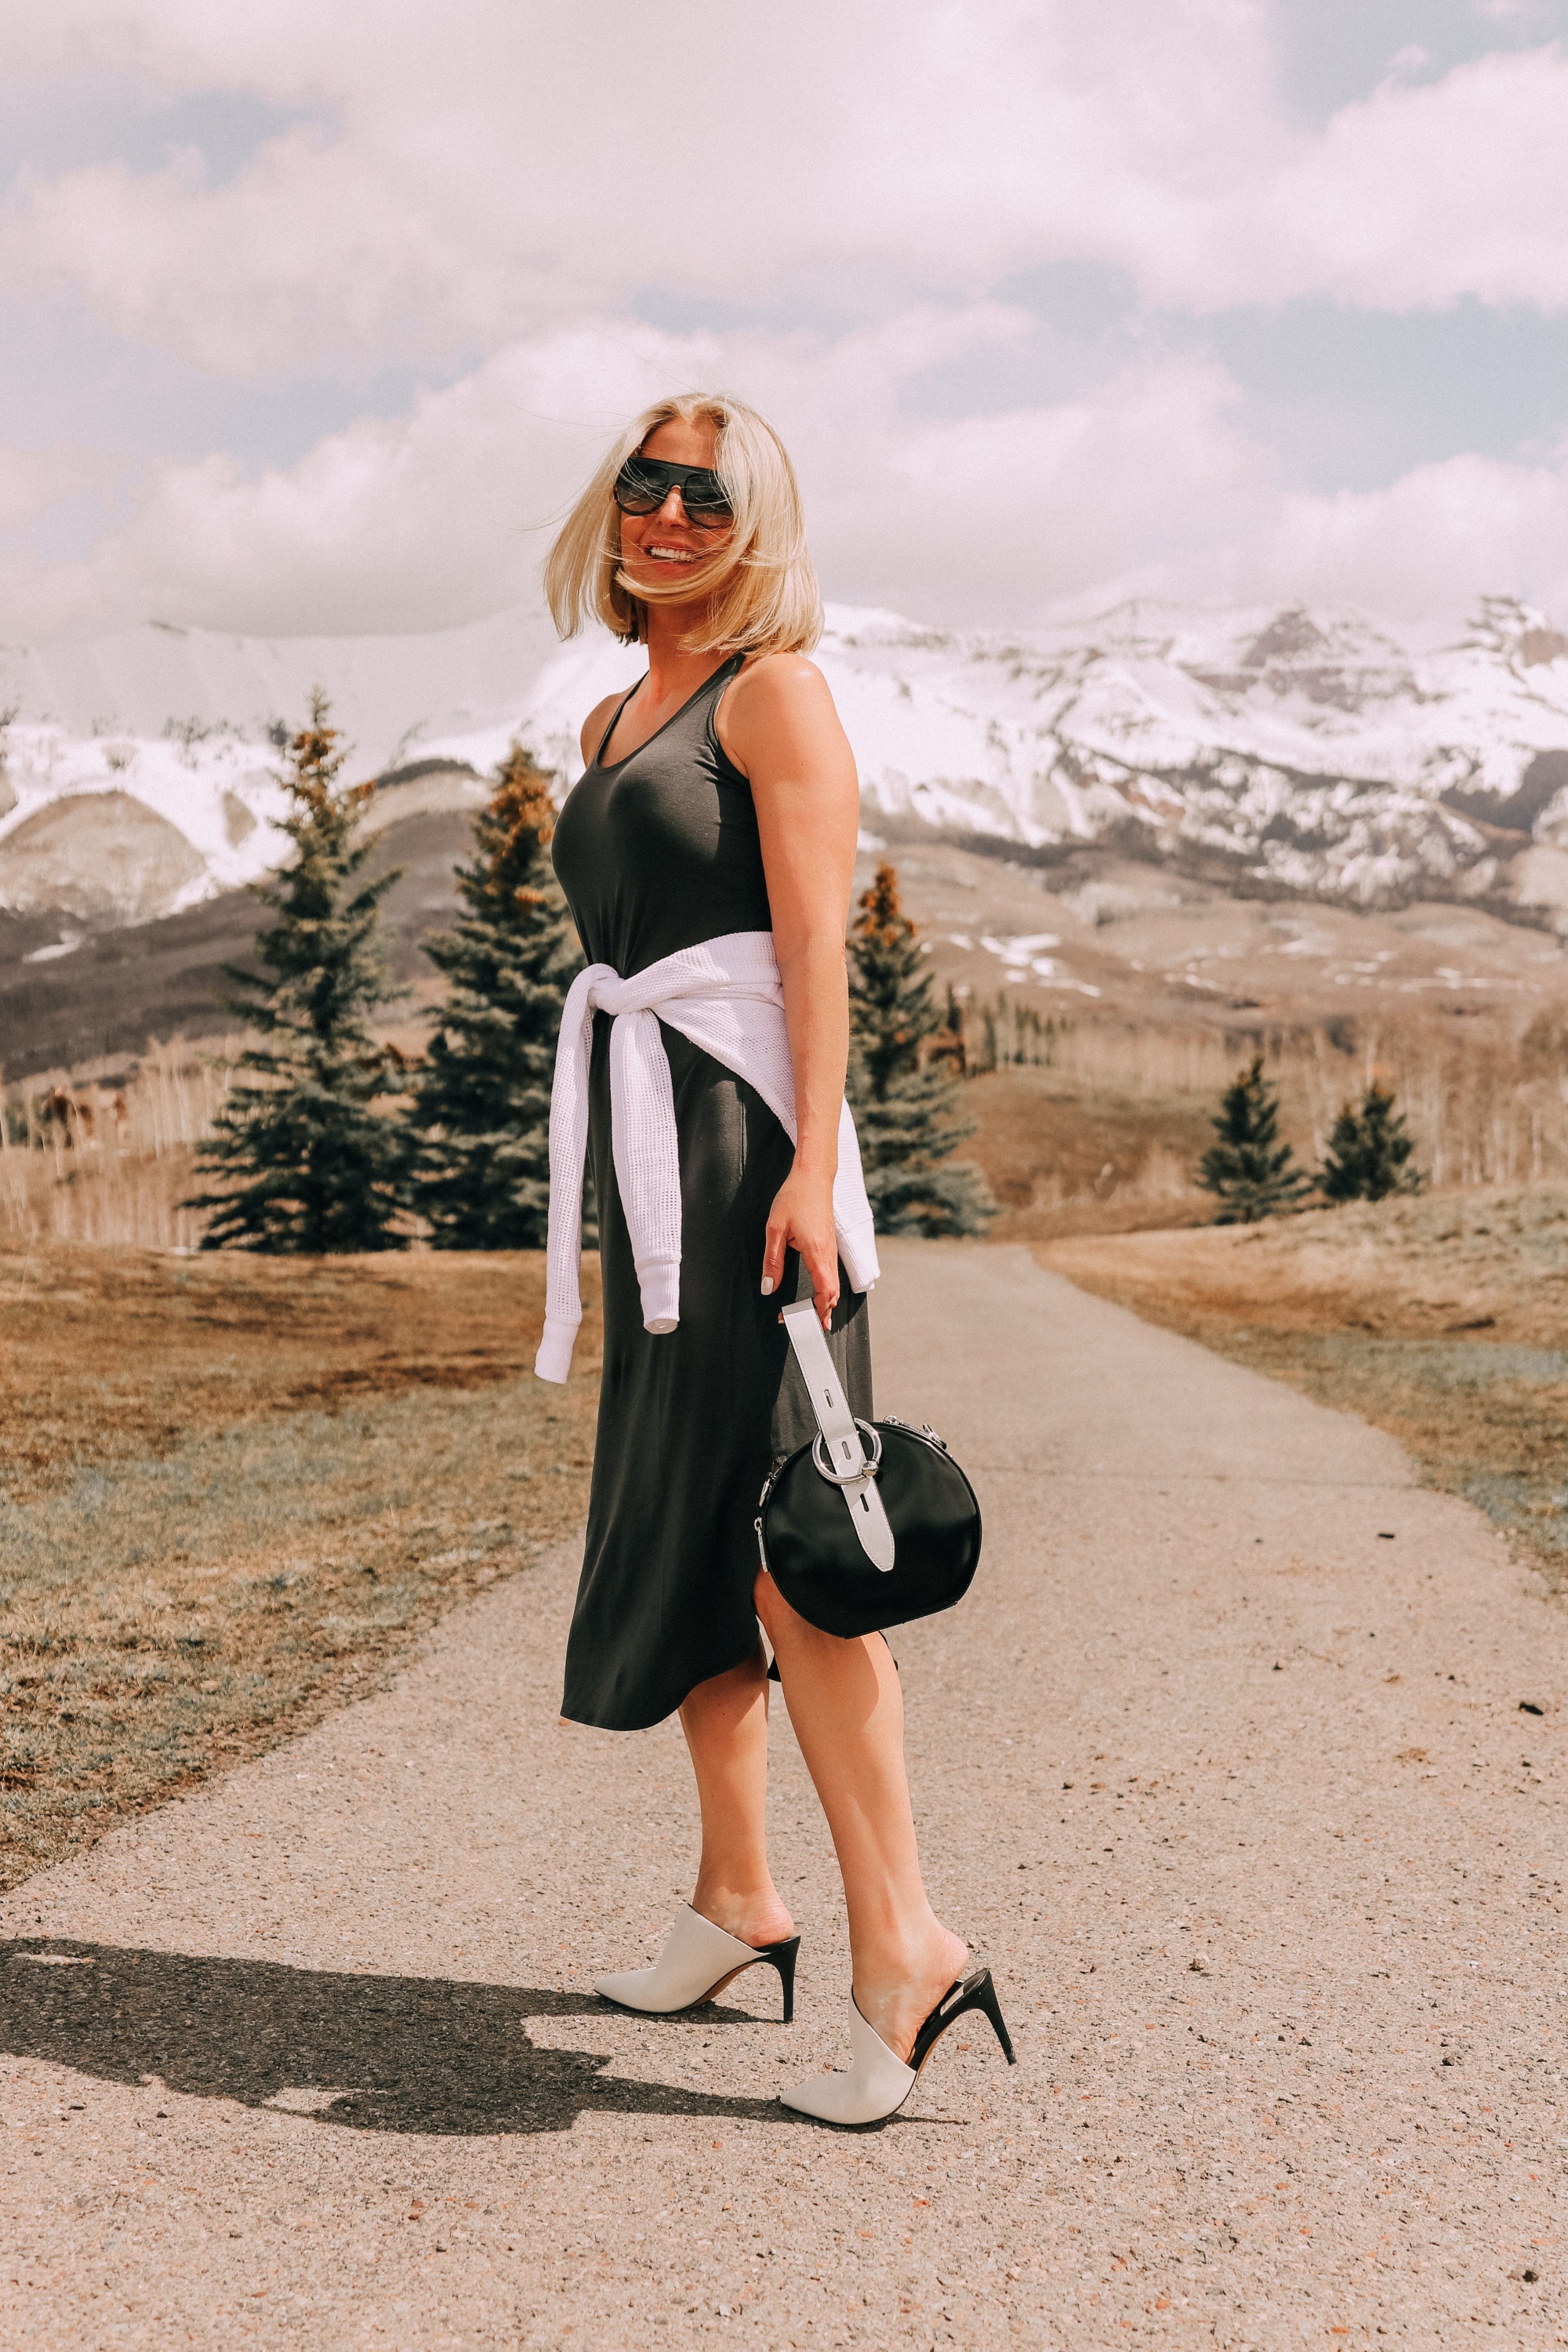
1223 1762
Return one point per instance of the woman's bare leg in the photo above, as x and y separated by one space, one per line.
725 1721
848 1717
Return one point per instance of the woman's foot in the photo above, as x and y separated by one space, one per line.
699 1961
877 2083
896 2007
756 1916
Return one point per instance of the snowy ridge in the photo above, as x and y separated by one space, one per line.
1317 749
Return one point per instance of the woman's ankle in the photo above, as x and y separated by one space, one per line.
755 1915
898 1983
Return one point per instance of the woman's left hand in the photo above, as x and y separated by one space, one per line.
802 1219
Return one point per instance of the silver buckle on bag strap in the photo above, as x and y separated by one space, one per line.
846 1464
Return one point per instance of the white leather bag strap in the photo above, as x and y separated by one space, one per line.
854 1474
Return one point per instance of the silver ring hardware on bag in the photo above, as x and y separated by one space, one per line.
864 1469
840 1435
855 1555
926 1429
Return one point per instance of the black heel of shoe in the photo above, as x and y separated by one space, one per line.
973 1991
783 1956
985 1997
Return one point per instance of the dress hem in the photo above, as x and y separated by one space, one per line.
596 1723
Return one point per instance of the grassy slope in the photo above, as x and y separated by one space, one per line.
1440 1319
1066 1154
232 1490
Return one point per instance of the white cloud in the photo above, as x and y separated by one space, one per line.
388 525
989 517
32 480
445 516
1427 543
1532 16
1152 484
309 255
502 162
1423 195
484 189
489 167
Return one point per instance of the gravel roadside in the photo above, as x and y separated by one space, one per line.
1222 1763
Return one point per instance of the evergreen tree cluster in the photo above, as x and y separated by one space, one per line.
902 1096
1255 1175
305 1160
481 1100
307 1155
1369 1151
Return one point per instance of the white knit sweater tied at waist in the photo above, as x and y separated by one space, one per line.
726 997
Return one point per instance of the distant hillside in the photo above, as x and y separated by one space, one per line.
1308 751
120 987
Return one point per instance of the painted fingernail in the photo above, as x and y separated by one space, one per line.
767 1285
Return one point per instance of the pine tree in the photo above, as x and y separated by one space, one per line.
482 1099
304 1159
903 1100
1251 1170
1369 1151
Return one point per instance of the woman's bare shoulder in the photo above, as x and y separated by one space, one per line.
775 691
594 727
781 708
776 679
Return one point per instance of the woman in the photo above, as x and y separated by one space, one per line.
713 832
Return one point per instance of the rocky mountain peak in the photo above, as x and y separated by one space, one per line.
1308 749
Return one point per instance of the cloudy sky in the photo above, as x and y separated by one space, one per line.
313 316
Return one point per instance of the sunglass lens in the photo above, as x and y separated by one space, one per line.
704 499
640 488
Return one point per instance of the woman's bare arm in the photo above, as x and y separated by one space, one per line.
778 723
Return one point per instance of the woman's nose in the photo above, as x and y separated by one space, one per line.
673 511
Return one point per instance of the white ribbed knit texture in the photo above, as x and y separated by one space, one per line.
725 996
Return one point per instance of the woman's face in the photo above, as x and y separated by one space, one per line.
657 548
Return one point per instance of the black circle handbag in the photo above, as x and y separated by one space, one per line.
871 1524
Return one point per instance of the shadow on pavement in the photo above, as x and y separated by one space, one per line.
379 2054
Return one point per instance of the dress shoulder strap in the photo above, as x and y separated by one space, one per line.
615 721
723 679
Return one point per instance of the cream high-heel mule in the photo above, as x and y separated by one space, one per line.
875 2082
698 1961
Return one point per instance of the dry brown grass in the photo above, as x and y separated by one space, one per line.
1440 1319
1102 1134
233 1490
85 1158
1105 1135
90 1157
1064 1156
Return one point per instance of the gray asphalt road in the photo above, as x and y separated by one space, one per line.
1224 1764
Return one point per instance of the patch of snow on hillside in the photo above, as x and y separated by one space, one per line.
1313 748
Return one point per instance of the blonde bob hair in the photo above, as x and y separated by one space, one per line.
761 589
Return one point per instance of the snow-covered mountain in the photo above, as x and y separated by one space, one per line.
1316 749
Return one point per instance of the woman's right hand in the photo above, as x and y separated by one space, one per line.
802 1219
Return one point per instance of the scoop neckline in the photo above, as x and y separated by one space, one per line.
608 767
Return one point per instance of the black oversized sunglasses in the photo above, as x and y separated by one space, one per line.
643 485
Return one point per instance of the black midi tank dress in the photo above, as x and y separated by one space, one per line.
657 852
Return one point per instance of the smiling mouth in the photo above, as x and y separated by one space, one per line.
670 554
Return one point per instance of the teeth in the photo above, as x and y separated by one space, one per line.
672 555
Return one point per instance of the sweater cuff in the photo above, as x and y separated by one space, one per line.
858 1247
553 1361
660 1283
